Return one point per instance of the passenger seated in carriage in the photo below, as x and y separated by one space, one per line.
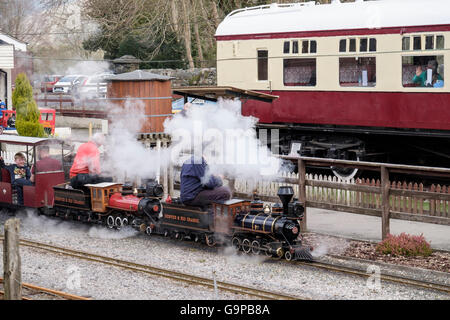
20 174
86 165
198 186
421 77
45 162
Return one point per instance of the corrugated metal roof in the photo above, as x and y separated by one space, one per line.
138 75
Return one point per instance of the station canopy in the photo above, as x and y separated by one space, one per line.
212 93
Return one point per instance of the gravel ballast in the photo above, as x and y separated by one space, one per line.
99 281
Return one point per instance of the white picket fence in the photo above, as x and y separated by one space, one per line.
270 188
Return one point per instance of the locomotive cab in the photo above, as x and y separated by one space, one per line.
101 193
225 213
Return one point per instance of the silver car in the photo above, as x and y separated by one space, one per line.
94 86
69 83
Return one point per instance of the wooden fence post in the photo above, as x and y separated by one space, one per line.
302 191
11 261
385 207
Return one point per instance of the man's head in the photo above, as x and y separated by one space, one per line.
432 64
43 151
98 139
20 159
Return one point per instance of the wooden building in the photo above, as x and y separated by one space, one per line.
152 90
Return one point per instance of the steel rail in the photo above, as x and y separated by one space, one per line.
384 277
64 295
170 274
2 293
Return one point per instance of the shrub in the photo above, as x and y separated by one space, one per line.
405 245
27 112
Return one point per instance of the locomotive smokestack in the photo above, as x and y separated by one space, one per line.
285 193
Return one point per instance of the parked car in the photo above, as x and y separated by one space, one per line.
94 86
69 83
49 81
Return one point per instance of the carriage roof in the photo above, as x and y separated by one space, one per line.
307 16
30 141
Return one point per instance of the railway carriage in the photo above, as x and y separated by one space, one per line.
40 194
344 76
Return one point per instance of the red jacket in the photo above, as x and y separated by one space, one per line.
87 160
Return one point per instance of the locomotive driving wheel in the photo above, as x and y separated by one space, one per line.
236 242
210 241
256 247
110 222
246 246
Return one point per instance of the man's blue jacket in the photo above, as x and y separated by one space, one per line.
193 179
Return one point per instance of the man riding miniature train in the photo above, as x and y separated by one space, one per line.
86 165
198 186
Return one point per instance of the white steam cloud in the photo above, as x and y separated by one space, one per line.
225 138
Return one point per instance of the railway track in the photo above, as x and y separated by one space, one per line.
32 289
155 271
383 277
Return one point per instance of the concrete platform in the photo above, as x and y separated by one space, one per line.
357 226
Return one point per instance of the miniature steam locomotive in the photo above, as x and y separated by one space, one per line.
246 225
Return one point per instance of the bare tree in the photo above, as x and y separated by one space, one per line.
187 33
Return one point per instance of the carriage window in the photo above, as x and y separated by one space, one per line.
94 193
417 43
48 158
372 44
105 192
219 210
313 46
299 72
352 47
225 211
343 45
405 43
363 45
294 46
423 71
439 42
263 62
360 72
429 42
305 45
286 47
